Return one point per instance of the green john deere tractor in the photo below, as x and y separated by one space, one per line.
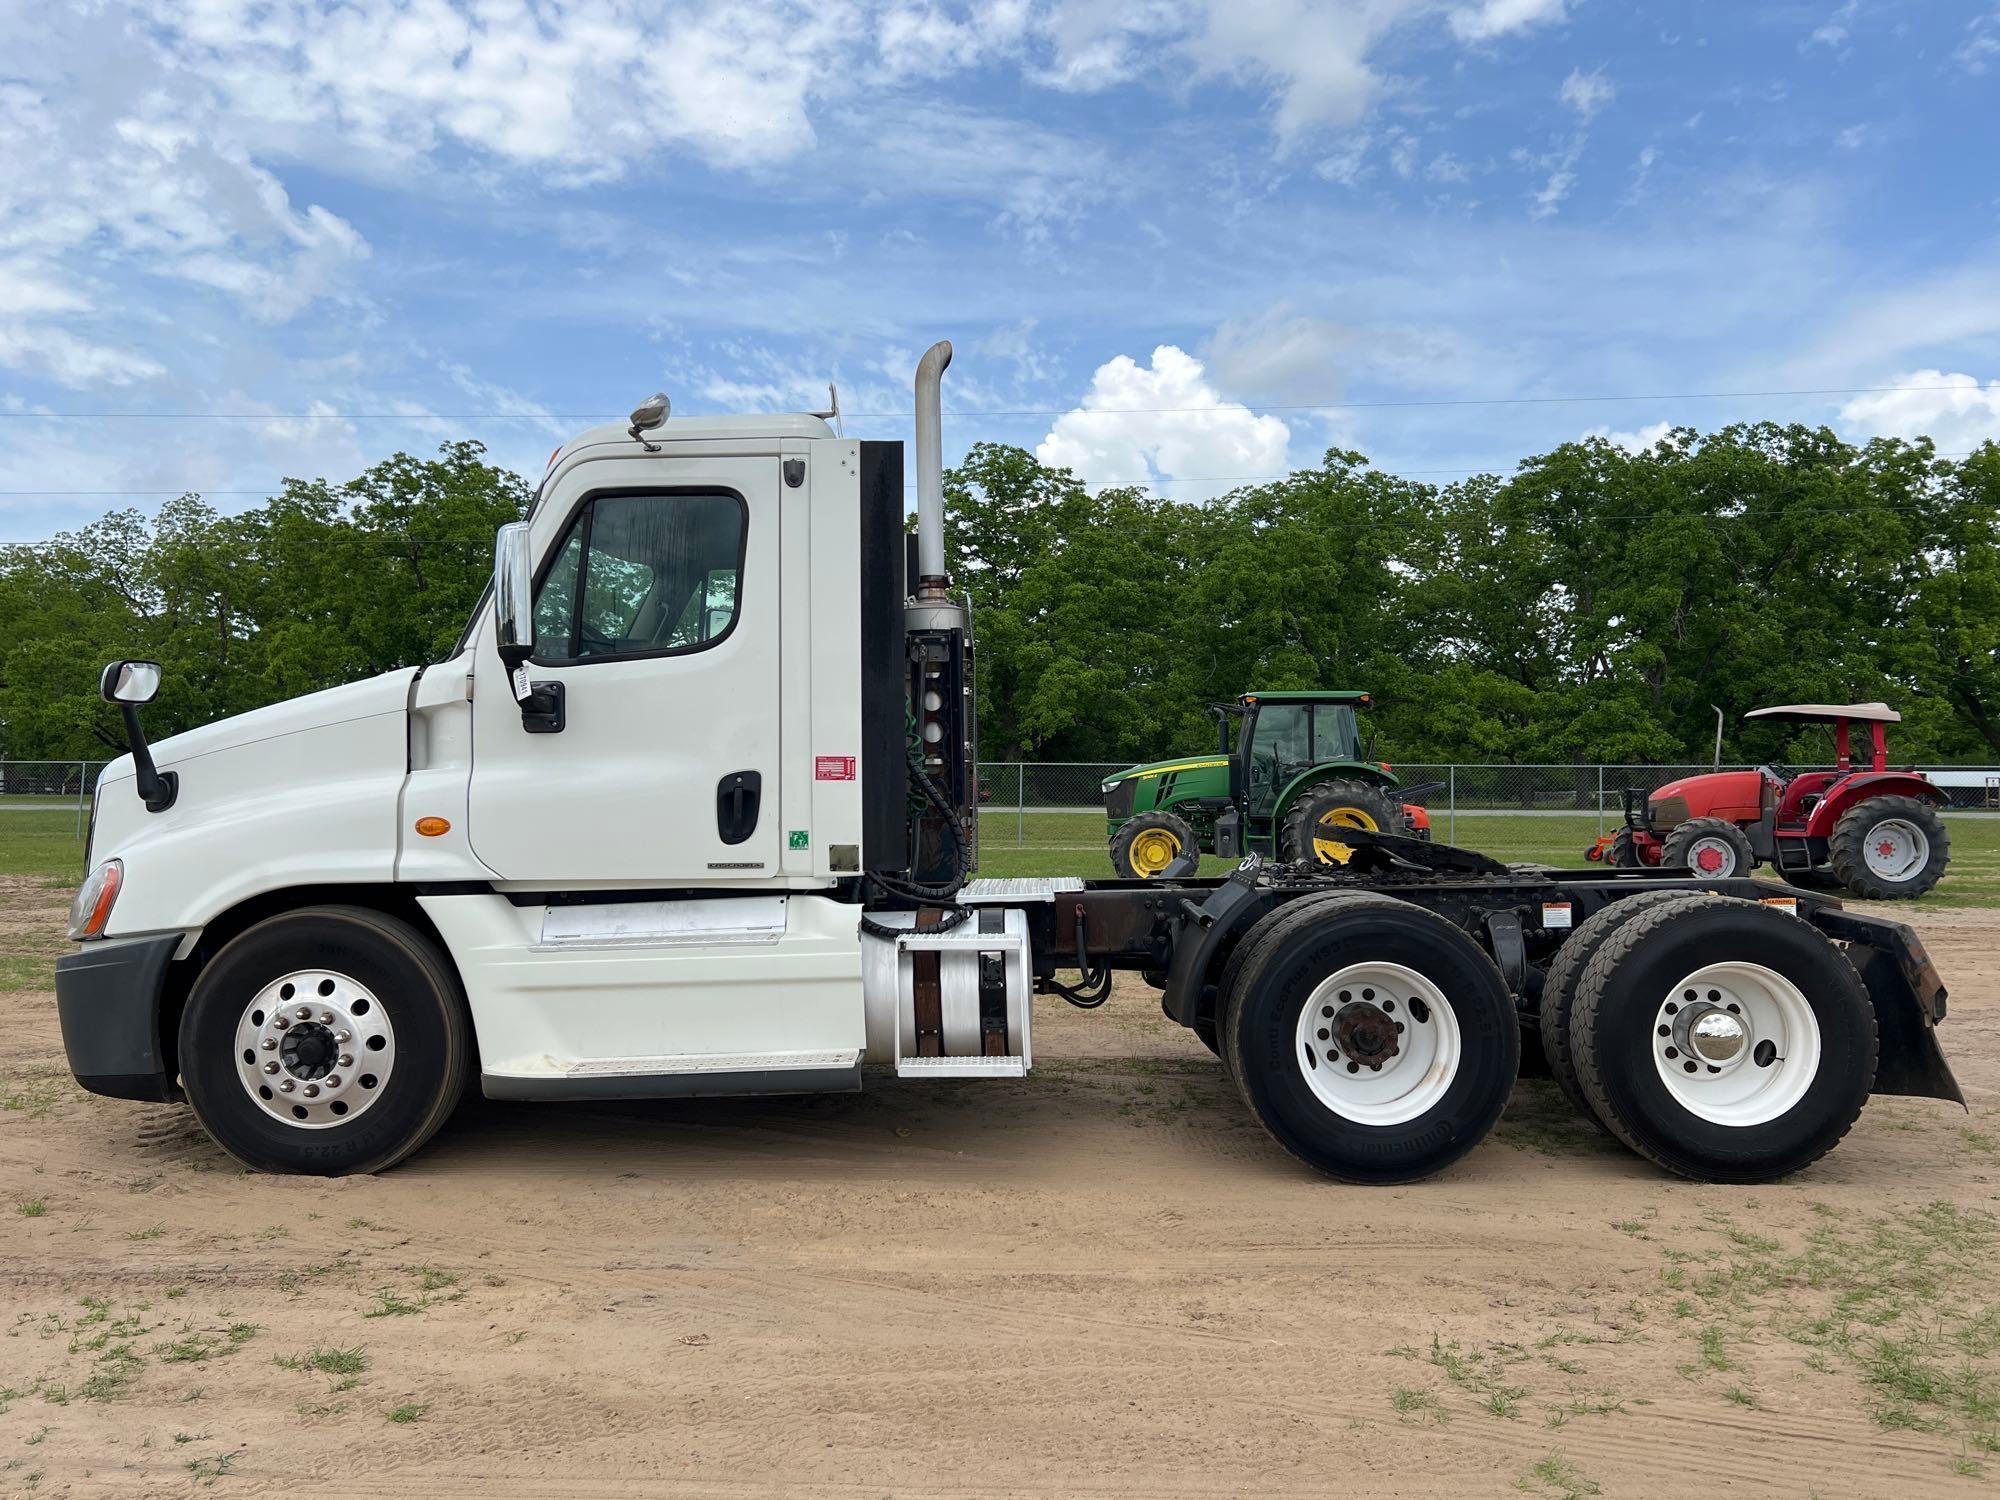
1295 776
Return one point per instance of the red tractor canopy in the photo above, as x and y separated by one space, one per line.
1874 830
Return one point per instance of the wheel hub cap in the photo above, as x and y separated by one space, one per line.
1736 1044
314 1048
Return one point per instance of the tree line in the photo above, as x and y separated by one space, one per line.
1595 605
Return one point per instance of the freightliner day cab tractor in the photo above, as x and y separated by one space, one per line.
691 810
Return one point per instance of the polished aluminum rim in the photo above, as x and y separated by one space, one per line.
1378 1044
314 1049
1895 849
1736 1044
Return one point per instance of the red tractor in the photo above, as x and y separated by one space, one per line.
1874 831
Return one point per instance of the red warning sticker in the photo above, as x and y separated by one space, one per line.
833 768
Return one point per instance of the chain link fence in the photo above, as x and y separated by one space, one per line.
50 786
1038 802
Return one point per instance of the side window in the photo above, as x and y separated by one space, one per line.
642 575
1335 733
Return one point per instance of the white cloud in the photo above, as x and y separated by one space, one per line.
1137 421
1832 32
1493 18
1954 411
1586 93
1644 440
1981 47
1281 354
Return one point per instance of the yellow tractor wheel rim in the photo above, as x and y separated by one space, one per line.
1331 851
1152 851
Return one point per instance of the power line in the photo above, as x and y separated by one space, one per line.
1024 411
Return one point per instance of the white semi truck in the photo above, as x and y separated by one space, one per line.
691 810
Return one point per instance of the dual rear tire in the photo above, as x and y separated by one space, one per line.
1719 1038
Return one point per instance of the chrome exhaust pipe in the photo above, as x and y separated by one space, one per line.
931 580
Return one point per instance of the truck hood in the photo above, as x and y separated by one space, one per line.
372 696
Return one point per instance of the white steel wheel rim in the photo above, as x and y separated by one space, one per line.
314 1049
1725 864
1354 1079
1736 1044
1895 849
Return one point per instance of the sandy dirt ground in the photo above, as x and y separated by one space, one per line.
1100 1280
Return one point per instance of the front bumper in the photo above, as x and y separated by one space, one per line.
108 997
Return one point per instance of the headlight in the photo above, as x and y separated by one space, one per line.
92 907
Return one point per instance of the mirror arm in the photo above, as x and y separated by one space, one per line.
156 790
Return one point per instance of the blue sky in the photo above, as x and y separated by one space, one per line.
1177 241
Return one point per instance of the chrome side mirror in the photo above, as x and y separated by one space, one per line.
513 594
132 682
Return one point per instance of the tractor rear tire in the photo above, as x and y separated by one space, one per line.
1889 848
1560 982
1330 805
1713 848
1724 1040
1143 847
1373 1039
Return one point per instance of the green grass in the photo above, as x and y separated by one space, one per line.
1074 843
41 843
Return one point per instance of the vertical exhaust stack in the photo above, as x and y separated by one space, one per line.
939 639
931 582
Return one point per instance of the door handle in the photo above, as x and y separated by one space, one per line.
543 710
736 799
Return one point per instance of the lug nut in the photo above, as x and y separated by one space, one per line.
285 1087
346 1061
326 1018
269 1044
271 1067
333 1081
342 1037
305 1013
280 1023
312 1091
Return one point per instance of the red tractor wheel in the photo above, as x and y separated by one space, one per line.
1713 848
1889 848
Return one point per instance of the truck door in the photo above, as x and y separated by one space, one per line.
656 614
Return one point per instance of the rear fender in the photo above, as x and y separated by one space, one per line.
1859 788
1332 770
1909 1000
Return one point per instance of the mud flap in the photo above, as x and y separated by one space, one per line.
1909 999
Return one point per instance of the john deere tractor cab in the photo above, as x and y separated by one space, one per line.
1294 775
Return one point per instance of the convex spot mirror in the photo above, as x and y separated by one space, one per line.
130 682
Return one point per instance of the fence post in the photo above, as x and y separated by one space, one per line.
82 790
1020 803
1600 801
1451 806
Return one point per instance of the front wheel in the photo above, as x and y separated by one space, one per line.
1150 845
1712 848
328 1040
1889 848
1373 1039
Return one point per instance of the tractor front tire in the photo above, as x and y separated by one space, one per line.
1623 853
1712 848
1889 848
1312 825
1144 847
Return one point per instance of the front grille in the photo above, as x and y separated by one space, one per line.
1118 800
